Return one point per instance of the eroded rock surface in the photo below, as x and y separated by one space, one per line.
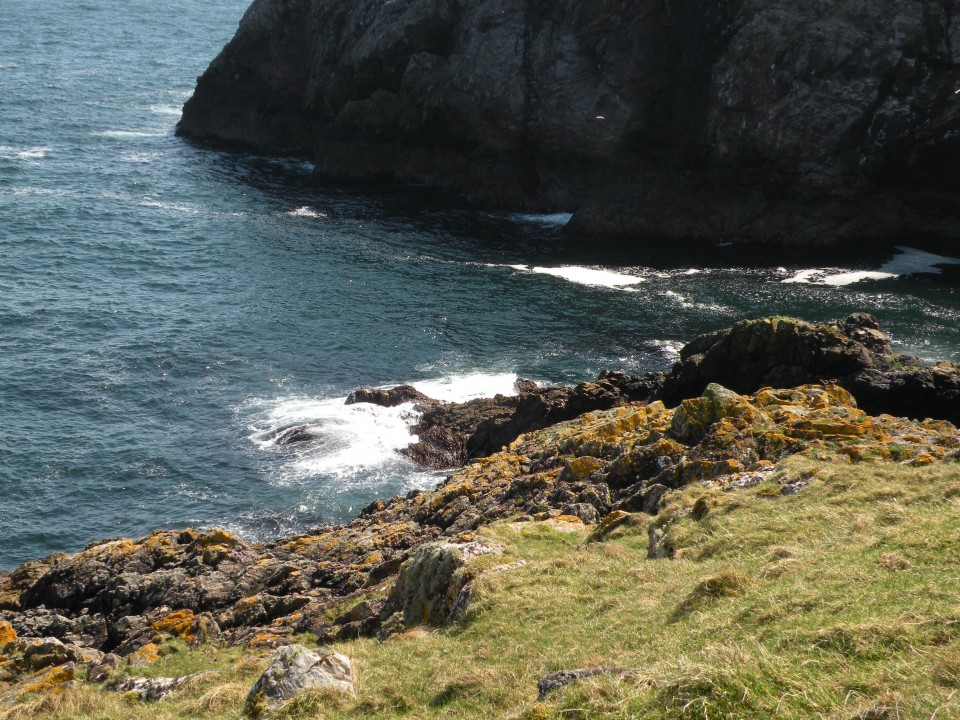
765 120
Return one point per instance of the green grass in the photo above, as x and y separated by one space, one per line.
842 601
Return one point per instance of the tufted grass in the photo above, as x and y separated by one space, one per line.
839 602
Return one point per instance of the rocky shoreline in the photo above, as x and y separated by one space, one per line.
753 122
599 454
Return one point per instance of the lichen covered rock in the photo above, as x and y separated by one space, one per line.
295 669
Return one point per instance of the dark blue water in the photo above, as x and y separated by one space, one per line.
165 308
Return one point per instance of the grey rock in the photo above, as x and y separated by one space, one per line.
586 512
295 669
552 682
434 583
152 689
105 669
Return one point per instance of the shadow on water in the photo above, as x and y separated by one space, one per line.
430 221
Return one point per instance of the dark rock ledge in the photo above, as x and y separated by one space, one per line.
735 120
124 597
777 352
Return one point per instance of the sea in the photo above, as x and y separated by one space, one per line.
167 308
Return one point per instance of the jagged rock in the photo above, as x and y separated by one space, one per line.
432 584
552 682
105 669
128 596
584 511
785 352
43 653
450 434
388 398
294 669
761 120
152 689
7 633
294 435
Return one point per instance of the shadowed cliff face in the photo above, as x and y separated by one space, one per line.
770 120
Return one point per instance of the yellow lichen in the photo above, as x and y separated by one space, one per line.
147 655
7 633
179 624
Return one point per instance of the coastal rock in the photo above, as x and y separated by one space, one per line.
295 669
388 398
551 682
294 435
433 585
450 434
130 596
761 120
151 689
785 352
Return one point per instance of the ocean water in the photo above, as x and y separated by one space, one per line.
166 309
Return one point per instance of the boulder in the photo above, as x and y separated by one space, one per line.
551 682
434 584
388 398
294 435
151 689
294 669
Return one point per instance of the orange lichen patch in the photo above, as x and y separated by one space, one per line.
922 460
180 624
52 679
566 523
267 640
147 655
7 633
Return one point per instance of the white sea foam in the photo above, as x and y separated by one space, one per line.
589 276
353 440
120 134
307 212
165 109
911 261
174 207
908 261
9 65
460 388
23 153
670 349
52 192
143 158
550 219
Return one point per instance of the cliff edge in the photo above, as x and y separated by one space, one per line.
734 120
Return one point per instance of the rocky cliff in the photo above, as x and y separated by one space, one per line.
770 120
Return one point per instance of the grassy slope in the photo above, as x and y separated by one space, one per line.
842 601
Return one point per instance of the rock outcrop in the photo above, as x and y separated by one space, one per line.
776 351
295 669
784 352
129 596
758 120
